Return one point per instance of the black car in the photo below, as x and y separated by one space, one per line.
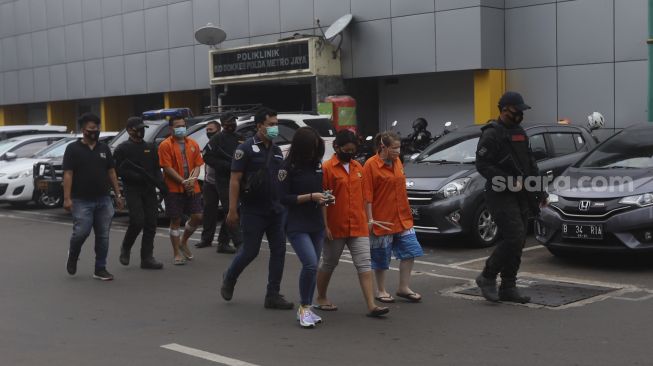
605 201
446 192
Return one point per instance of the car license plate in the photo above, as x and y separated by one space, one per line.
582 231
42 185
415 212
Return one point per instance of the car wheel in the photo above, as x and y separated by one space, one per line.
49 201
484 230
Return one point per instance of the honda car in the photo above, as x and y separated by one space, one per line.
605 203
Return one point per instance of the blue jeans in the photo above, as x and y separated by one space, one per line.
308 247
253 227
93 214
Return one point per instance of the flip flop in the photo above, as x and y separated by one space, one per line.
179 262
385 299
378 312
412 297
325 307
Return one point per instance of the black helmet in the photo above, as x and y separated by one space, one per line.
420 124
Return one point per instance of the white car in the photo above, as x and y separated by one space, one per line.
26 145
16 177
7 132
288 124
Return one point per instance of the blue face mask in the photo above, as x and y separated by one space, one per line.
180 131
272 132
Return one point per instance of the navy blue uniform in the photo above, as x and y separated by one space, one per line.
260 213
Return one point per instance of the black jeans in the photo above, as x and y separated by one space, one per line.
227 233
510 211
210 214
142 204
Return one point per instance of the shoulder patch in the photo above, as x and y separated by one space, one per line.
282 175
238 154
482 151
255 148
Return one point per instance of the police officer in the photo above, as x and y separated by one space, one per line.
218 155
138 166
254 173
504 158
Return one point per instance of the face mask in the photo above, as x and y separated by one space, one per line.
92 135
345 157
272 132
210 134
180 131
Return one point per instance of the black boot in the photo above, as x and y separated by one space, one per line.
512 294
226 248
277 301
488 288
124 256
227 289
151 263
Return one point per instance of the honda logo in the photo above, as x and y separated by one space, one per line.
584 205
410 184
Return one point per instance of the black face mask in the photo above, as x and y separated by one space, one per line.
92 135
345 157
140 133
210 134
516 117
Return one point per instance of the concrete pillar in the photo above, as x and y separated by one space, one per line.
13 115
184 99
63 114
489 85
114 112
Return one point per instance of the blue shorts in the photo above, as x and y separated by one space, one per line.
404 245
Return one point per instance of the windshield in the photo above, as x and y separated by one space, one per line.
453 149
55 150
124 136
200 137
323 126
6 145
630 149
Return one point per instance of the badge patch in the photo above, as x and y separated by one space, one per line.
518 138
103 155
238 154
282 175
482 151
255 148
360 175
192 149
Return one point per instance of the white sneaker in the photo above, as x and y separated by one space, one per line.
316 318
304 317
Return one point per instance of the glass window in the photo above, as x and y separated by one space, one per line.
55 150
538 146
30 148
323 126
580 142
563 143
461 150
632 148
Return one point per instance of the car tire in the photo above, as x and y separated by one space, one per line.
47 201
484 231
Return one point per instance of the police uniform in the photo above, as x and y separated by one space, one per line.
504 153
138 167
260 212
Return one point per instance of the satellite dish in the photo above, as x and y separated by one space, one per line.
338 26
210 35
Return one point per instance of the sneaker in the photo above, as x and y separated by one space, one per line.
226 249
277 302
124 257
304 317
71 265
316 318
227 289
512 294
488 288
102 274
151 263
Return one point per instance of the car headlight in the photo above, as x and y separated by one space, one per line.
23 174
454 188
641 200
553 198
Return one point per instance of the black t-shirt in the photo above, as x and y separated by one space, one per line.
294 181
141 154
90 169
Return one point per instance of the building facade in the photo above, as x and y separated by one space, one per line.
444 60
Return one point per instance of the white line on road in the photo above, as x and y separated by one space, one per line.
206 355
485 258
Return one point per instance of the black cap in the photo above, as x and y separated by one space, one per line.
135 123
227 117
513 99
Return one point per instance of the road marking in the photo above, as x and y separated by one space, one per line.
459 264
206 355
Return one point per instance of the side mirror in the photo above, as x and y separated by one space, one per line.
539 154
10 156
448 124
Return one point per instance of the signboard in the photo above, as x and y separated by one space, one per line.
295 58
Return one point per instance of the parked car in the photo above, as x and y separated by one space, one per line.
44 184
26 145
7 132
446 192
613 216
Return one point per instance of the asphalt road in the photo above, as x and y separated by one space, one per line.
176 317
